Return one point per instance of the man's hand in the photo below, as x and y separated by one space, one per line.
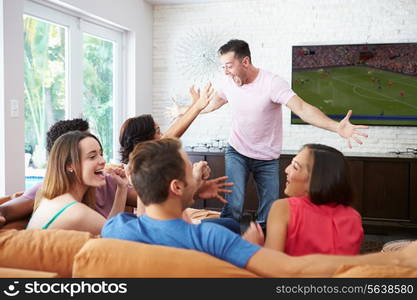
254 234
347 130
212 189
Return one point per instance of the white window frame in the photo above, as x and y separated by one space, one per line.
118 109
2 102
77 25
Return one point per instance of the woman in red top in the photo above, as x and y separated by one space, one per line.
317 218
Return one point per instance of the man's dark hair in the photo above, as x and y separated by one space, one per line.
133 131
64 126
152 167
239 47
330 177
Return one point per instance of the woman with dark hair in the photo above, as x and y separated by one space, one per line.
143 128
135 130
317 218
67 197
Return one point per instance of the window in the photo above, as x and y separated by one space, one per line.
72 69
45 81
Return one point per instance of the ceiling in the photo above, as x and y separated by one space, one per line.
162 2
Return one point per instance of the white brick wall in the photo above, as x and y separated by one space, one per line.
271 27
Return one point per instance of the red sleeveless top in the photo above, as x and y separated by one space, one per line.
327 229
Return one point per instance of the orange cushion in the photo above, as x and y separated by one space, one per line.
51 250
376 271
118 258
15 273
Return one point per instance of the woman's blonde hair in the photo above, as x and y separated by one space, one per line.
58 179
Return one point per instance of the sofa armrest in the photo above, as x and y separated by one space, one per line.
118 258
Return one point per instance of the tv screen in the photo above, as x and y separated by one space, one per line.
378 82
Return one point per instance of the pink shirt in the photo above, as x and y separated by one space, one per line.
327 229
104 195
256 114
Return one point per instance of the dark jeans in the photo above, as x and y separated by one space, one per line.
266 176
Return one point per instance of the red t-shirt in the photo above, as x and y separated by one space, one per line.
327 229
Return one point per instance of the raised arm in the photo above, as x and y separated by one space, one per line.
181 125
131 198
215 104
119 204
314 116
277 225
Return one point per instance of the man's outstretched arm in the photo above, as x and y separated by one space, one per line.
314 116
271 263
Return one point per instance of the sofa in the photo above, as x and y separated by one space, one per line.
67 253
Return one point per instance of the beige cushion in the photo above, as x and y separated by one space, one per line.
376 271
51 250
117 258
20 273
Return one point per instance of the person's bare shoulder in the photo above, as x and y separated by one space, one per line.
280 204
83 218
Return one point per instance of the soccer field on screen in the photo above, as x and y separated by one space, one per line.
376 97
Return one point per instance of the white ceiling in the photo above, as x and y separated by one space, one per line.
162 2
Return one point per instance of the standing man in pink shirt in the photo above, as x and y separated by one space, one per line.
256 97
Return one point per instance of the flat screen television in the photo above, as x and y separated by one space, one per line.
377 81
